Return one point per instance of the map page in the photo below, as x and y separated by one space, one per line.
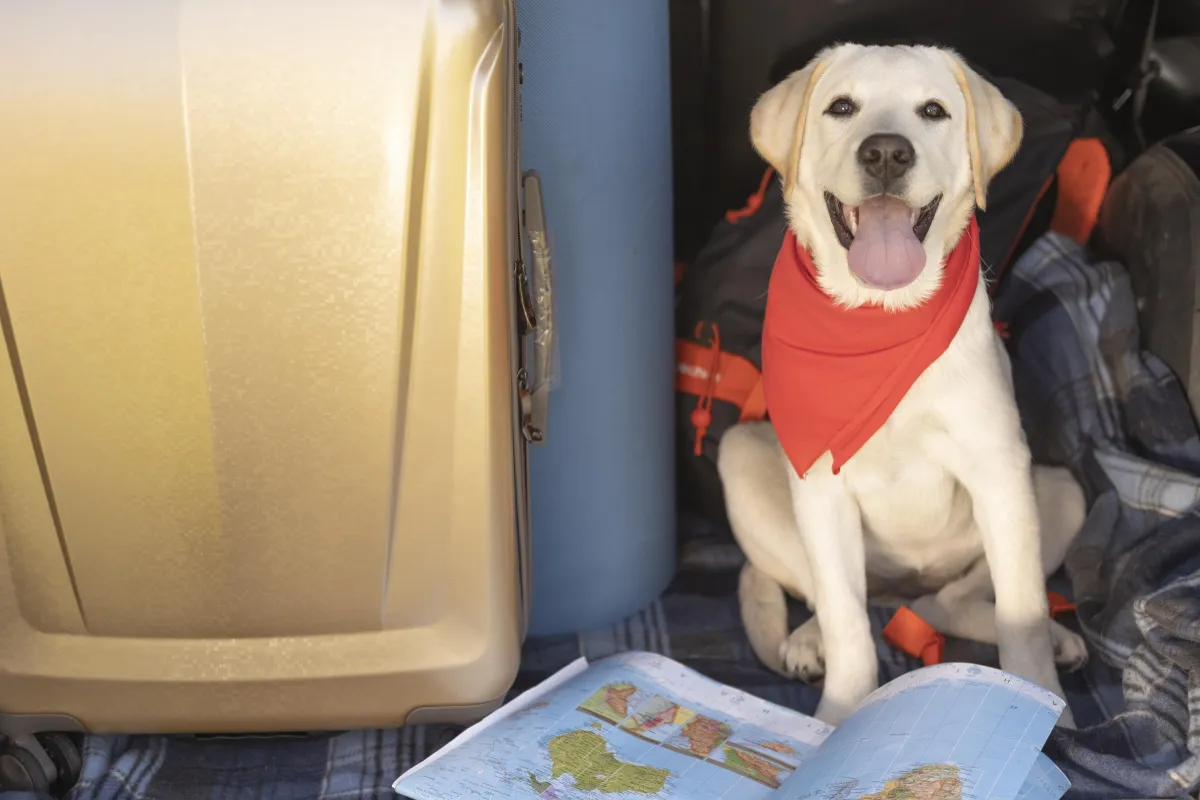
629 727
1045 781
949 732
638 725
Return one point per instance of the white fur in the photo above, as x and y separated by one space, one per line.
942 504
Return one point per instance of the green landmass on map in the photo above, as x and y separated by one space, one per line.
611 702
584 755
538 786
750 765
927 782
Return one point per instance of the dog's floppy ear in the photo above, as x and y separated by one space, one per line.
994 127
777 121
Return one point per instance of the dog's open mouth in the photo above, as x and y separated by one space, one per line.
845 220
883 238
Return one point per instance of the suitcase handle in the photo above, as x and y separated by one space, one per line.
544 344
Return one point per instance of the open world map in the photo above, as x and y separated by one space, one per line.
620 730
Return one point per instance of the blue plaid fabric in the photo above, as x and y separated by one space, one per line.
1120 420
1091 400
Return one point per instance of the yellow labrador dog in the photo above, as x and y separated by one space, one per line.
941 505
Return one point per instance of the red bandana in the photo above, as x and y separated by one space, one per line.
833 375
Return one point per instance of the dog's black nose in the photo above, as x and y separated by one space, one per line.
886 156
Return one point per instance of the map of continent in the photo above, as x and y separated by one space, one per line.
585 756
701 736
610 702
656 713
928 782
752 766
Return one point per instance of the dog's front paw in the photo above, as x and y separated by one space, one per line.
1045 674
803 653
1070 649
843 693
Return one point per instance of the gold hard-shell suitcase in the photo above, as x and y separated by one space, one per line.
264 406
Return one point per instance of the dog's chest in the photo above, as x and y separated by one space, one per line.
917 518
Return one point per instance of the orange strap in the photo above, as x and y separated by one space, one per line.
1083 177
912 635
753 203
916 638
712 374
735 376
1059 605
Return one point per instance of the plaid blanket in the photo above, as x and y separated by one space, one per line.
1091 401
1120 420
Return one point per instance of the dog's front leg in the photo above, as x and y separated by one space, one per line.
831 529
993 463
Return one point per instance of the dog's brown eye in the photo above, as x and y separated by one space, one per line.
933 110
841 107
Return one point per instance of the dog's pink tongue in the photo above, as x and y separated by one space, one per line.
885 252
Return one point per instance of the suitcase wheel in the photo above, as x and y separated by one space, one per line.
45 763
20 771
64 752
